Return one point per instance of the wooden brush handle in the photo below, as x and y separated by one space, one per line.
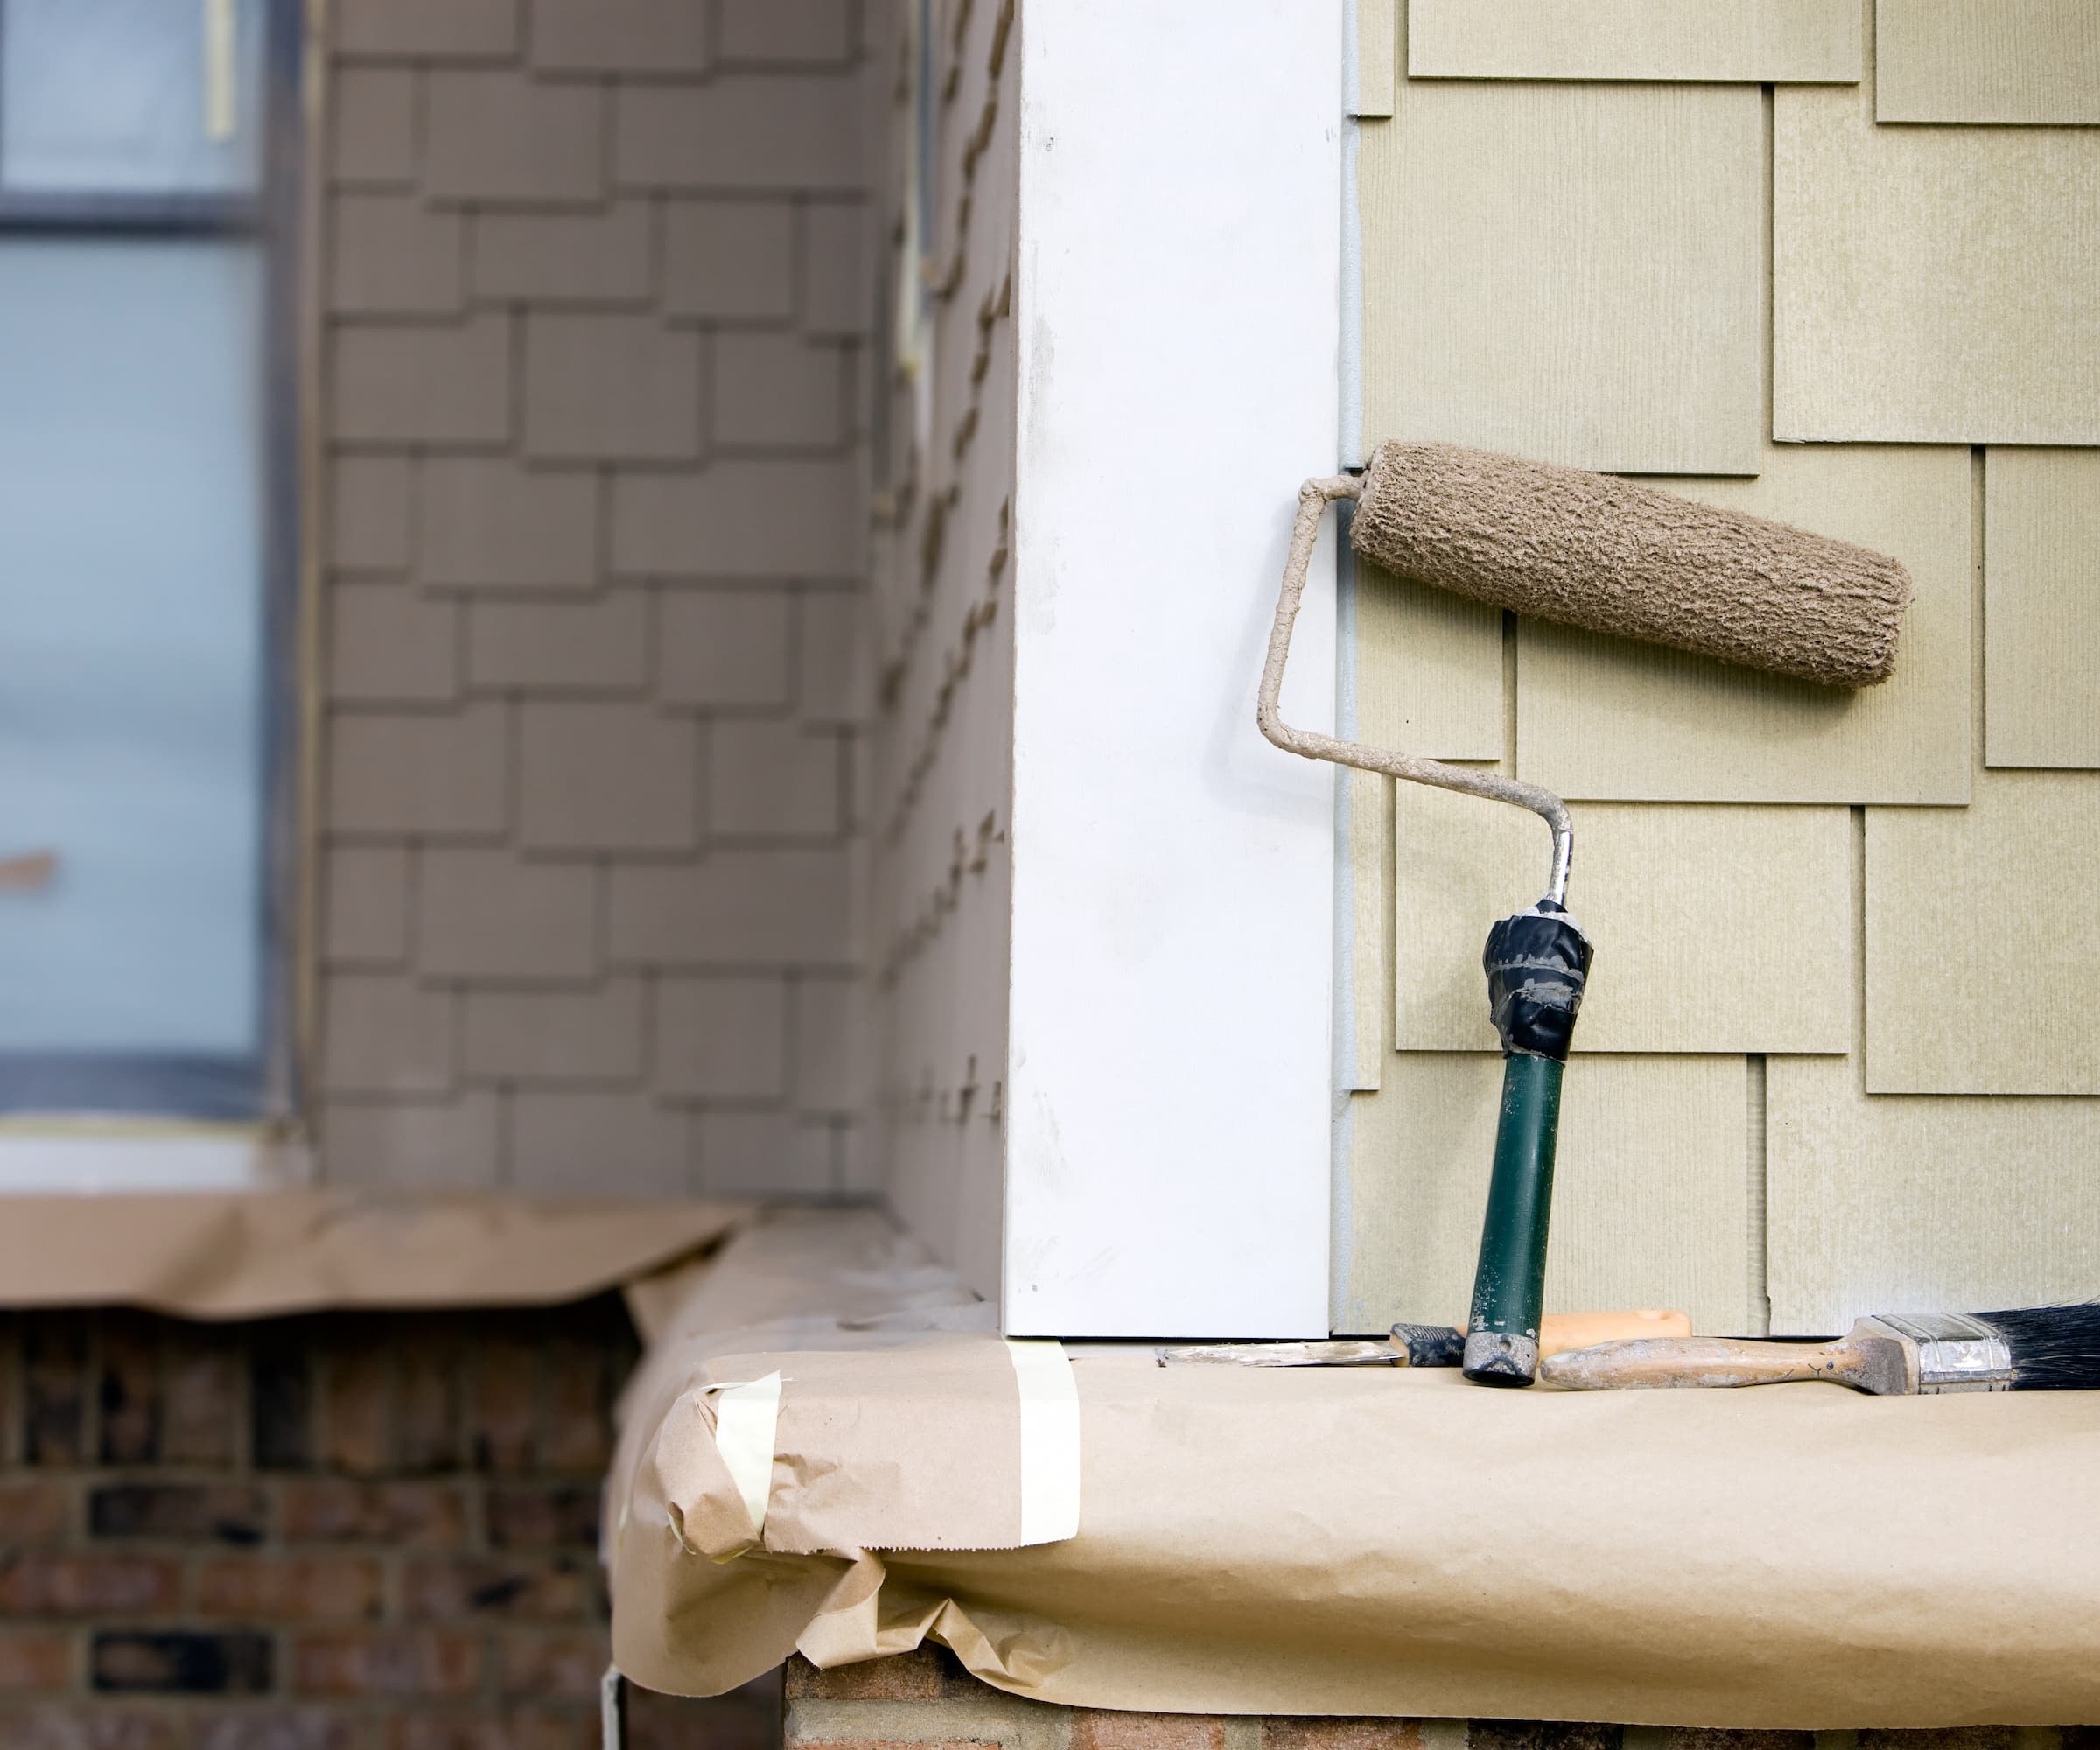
1559 1330
1655 1361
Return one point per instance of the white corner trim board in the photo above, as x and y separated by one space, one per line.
1179 301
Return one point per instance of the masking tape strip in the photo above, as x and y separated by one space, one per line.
1049 1440
746 1418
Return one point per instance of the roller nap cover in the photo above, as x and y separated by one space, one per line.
1597 552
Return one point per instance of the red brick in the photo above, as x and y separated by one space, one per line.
537 1729
526 1515
794 1740
455 1590
578 1429
748 1717
129 1389
34 1512
1101 1729
182 1662
35 1659
357 1409
274 1728
555 1665
281 1395
1550 1735
924 1675
298 1588
1716 1738
400 1662
1341 1732
54 1399
223 1513
415 1515
504 1412
201 1396
428 1412
35 1584
11 1386
87 1726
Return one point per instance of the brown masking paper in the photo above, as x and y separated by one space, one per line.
916 1446
1373 1541
899 1425
208 1255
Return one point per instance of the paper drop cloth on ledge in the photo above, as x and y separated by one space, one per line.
1346 1541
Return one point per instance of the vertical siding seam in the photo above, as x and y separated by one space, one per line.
1756 1174
1768 276
1859 920
1979 630
1507 764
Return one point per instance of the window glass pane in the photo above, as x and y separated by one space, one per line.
132 644
130 96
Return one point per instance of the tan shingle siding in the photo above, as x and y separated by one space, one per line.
525 877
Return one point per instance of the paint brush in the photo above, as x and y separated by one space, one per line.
2033 1348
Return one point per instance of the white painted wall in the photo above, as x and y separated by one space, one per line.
1178 309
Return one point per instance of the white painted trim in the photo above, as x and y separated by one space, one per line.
92 1160
1351 220
1178 308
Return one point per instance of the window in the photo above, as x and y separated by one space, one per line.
148 552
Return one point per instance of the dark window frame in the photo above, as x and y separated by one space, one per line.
260 1085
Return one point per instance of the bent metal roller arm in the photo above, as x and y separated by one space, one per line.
1537 962
1313 497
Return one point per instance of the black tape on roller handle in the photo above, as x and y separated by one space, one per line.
1536 965
1429 1345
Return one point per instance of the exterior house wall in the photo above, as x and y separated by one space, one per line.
593 399
942 745
1824 1069
1102 939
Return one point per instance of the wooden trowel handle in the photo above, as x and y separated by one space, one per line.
1654 1361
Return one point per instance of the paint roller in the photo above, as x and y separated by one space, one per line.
1597 551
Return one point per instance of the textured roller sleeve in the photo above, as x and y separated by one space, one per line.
1601 552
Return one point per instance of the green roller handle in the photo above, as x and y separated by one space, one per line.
1509 1285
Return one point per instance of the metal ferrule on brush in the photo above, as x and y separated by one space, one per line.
1949 1351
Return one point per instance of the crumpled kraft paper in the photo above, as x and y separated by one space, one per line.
247 1255
1371 1540
899 1421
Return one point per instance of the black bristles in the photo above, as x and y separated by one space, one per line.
2055 1348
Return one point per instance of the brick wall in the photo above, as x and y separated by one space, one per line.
927 1699
344 1533
593 402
